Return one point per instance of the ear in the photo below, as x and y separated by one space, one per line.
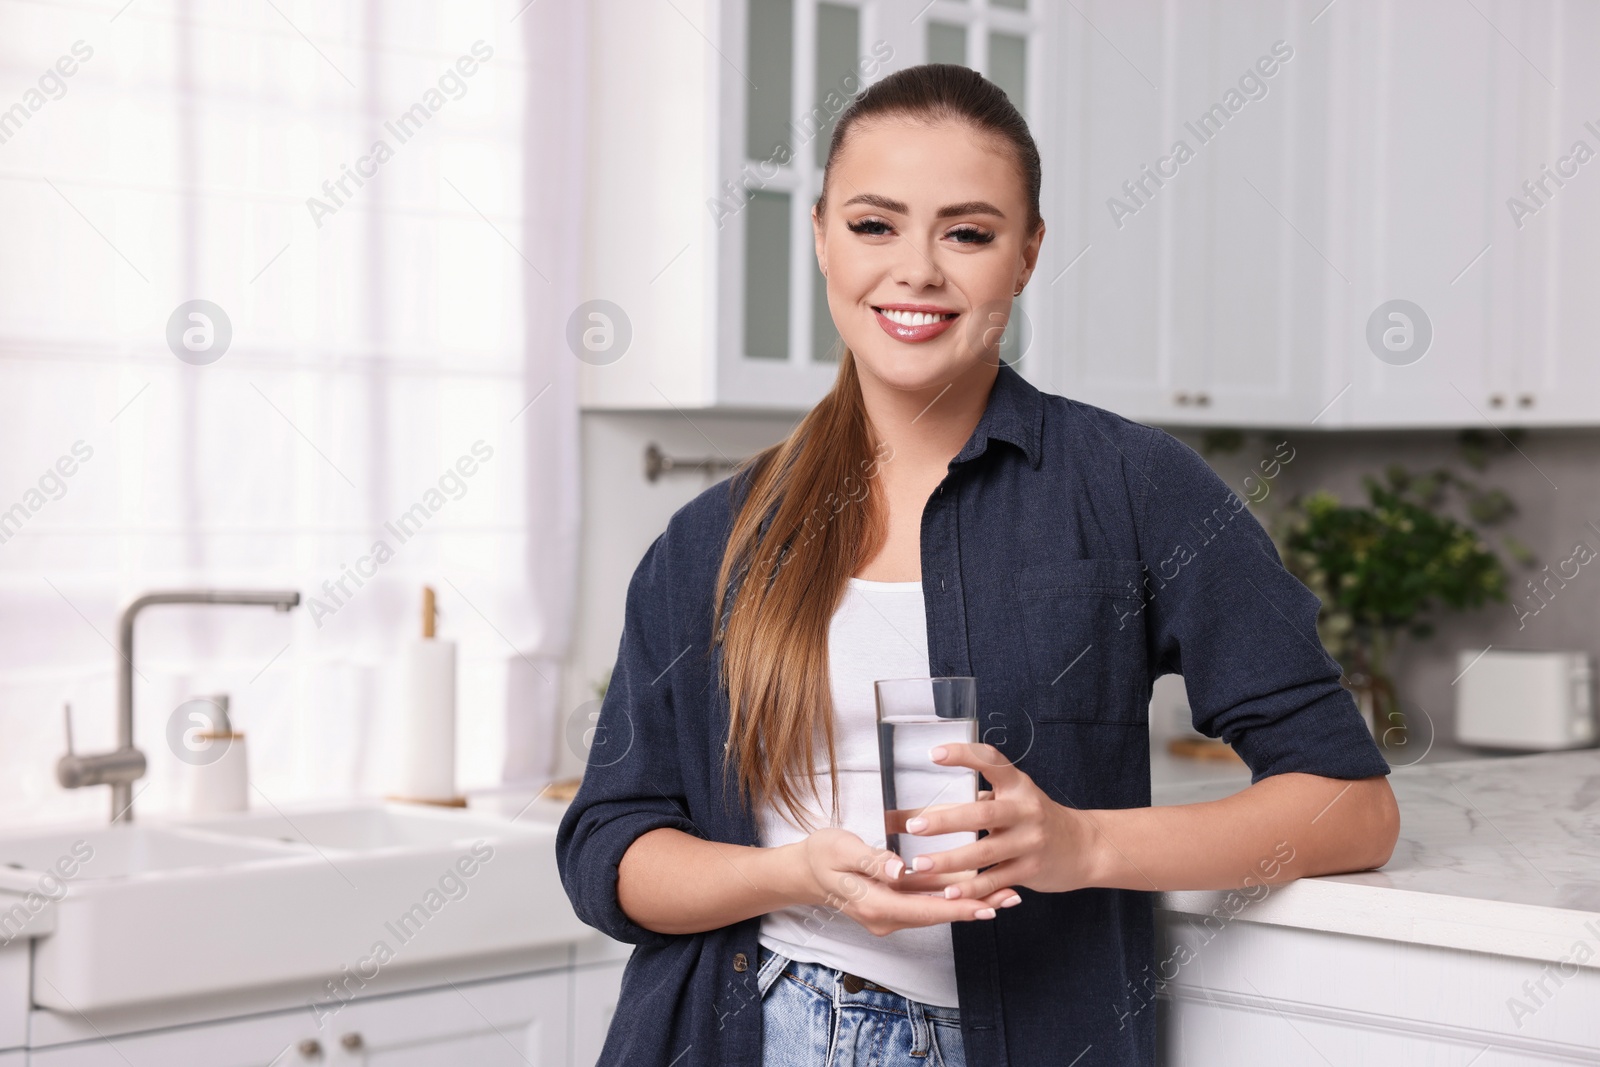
1030 255
817 230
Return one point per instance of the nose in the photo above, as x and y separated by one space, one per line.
916 268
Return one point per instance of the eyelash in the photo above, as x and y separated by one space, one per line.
983 236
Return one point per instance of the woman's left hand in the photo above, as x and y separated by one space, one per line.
1032 840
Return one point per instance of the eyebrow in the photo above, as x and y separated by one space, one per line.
969 207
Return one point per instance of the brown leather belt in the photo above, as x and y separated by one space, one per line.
855 984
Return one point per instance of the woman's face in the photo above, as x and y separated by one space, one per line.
924 244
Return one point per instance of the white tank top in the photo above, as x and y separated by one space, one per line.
879 631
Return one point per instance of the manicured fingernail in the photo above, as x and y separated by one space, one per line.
917 824
937 752
1010 902
896 866
922 863
951 892
985 913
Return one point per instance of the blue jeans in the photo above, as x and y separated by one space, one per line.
809 1019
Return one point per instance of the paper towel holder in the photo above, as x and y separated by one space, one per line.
430 614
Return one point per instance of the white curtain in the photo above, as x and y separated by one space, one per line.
385 202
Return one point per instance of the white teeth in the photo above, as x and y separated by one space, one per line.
911 318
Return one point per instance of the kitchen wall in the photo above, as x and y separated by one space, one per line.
1556 487
1555 483
622 514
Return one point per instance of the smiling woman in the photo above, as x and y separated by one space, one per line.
1007 535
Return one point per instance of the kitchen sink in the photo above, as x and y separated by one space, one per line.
352 829
116 852
289 901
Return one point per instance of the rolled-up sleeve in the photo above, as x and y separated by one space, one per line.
1223 612
631 784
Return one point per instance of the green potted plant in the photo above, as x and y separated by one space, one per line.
1383 570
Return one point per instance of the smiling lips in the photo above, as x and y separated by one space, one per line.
913 323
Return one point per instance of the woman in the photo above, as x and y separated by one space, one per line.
936 514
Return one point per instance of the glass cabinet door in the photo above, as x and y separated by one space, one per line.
806 62
991 37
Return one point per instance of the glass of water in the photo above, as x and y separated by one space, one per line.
914 715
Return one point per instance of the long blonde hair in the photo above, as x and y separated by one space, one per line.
819 488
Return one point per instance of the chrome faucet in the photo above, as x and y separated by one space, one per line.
121 768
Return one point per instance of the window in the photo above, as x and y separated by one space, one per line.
379 305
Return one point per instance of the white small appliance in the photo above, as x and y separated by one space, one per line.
1535 701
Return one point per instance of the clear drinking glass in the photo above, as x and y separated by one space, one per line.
914 715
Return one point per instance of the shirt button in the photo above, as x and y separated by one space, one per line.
740 962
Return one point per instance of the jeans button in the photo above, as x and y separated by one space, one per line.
740 962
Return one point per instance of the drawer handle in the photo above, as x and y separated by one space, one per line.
351 1041
1182 400
310 1048
1525 400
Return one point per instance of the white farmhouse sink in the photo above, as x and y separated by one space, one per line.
354 829
114 852
285 902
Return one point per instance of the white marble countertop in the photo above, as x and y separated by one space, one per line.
1498 855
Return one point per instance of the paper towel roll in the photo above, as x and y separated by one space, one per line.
428 749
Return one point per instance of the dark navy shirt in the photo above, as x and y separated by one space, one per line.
1069 558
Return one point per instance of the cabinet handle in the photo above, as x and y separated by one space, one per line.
1525 400
1497 400
310 1048
1202 399
351 1041
1182 400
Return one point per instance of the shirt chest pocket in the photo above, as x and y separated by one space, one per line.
1083 630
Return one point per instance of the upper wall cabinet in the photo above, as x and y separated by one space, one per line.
712 122
1468 151
1362 214
1369 214
1185 276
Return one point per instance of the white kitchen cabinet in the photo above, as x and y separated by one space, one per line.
711 126
1445 124
1185 277
1255 995
503 1023
510 1022
1543 272
1380 165
1418 207
250 1042
595 991
15 977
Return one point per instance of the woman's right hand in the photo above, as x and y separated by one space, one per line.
871 885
